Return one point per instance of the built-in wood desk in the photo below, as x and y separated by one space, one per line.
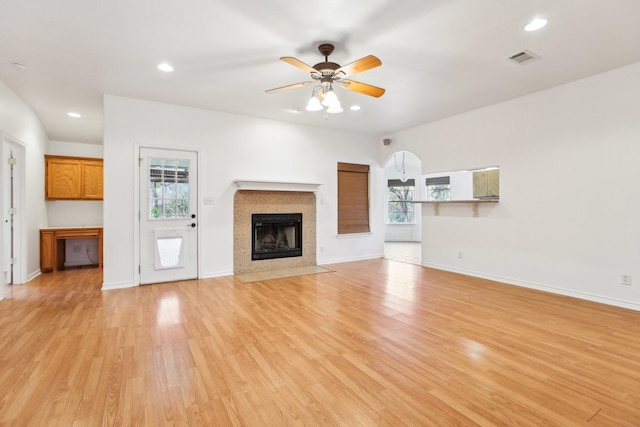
52 245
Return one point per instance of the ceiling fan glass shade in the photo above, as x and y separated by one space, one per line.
314 104
335 109
330 99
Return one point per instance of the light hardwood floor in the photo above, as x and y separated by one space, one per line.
374 343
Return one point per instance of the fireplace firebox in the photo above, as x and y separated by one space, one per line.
276 236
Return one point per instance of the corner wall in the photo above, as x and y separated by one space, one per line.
567 220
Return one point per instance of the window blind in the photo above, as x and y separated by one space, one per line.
353 198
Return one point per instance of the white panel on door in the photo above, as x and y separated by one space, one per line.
169 248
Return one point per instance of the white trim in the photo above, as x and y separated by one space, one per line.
541 287
118 285
354 235
350 259
216 274
136 220
33 275
260 185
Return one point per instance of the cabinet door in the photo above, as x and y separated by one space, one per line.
493 183
47 250
480 184
92 179
62 179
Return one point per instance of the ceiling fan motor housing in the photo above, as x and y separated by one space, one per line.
326 69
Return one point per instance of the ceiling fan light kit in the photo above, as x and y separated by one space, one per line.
326 73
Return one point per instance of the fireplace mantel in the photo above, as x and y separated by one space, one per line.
260 185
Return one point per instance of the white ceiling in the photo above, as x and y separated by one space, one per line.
439 57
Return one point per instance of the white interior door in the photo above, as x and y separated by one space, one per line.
168 215
12 172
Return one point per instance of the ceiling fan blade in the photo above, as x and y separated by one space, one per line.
297 63
363 88
362 64
293 86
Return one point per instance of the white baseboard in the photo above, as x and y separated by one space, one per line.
117 285
33 275
213 275
541 287
349 259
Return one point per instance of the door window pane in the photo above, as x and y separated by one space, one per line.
168 189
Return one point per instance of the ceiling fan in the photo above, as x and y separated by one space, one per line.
326 74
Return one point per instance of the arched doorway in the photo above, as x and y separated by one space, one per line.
403 219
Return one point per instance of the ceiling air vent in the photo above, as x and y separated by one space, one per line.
524 57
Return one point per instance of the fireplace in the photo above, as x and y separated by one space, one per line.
253 202
276 235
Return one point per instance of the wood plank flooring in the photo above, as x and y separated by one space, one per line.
374 343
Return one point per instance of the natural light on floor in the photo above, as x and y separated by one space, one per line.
409 252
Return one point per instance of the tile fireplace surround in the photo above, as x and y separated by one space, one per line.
247 202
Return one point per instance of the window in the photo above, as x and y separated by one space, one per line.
400 196
353 198
438 188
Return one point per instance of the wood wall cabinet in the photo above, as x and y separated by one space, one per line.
73 178
486 183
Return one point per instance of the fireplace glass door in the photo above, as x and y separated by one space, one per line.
276 236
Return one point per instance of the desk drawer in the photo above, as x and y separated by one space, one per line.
72 234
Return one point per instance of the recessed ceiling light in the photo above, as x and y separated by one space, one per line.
355 108
535 24
74 115
166 67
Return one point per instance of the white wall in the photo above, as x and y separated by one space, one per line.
567 220
230 147
413 169
19 122
64 148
